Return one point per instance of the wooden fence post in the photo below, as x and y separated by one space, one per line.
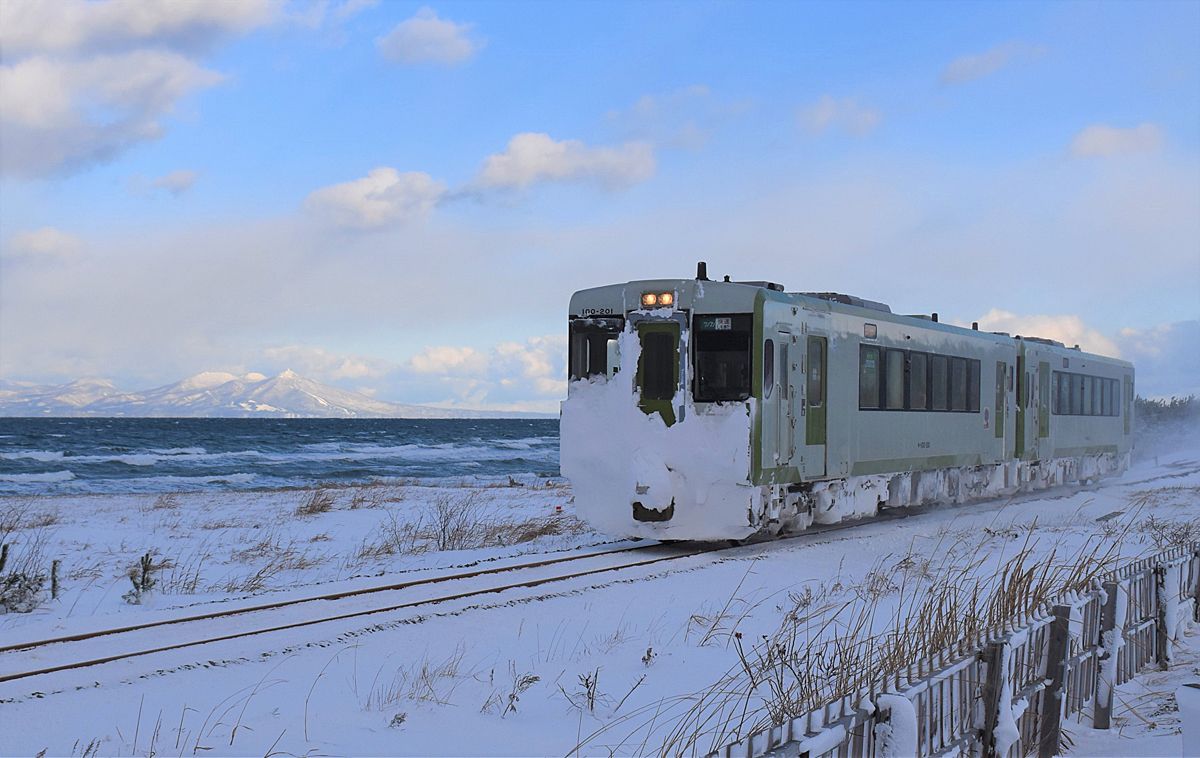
993 657
1161 653
1058 666
1196 575
1102 708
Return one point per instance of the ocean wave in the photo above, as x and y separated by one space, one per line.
33 455
45 477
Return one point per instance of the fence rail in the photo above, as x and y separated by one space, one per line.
1007 692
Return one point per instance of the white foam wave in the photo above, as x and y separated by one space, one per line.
33 455
47 476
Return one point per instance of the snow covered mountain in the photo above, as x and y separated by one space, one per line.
216 394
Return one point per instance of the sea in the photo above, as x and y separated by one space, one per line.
127 455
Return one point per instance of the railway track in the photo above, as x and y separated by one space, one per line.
37 657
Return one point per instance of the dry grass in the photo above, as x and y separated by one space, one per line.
276 556
24 514
318 501
458 521
425 680
1165 533
837 640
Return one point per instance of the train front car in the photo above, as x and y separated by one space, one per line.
656 427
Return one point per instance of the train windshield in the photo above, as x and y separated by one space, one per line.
593 346
722 349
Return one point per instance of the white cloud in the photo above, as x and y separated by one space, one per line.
1067 329
61 114
351 8
971 67
381 198
845 114
324 365
1103 140
176 182
83 26
535 157
445 360
529 375
83 81
46 243
425 38
683 118
1166 358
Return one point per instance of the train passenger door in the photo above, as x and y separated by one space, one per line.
813 405
787 417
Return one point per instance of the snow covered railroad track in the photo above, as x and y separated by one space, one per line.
37 657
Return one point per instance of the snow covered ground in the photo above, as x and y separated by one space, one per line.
610 662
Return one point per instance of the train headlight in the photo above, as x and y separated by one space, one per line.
652 299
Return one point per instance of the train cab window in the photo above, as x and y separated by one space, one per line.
973 373
939 372
722 345
592 340
958 384
868 377
918 394
894 381
768 368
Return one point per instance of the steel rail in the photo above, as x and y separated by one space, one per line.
353 592
354 614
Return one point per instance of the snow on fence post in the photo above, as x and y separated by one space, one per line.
1162 604
993 658
1058 666
1110 648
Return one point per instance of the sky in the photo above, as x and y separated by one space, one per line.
399 198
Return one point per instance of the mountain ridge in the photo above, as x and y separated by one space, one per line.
218 394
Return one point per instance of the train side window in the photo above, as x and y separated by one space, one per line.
816 371
958 384
939 371
1104 401
1114 406
894 381
1076 394
868 377
918 386
973 372
1062 393
1097 382
768 368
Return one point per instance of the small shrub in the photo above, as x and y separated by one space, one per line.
1164 533
142 577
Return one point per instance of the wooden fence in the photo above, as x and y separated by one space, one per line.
1007 693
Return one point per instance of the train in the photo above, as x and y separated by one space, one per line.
704 410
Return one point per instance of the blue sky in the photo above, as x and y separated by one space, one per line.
399 198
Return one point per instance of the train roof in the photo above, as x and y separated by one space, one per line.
834 302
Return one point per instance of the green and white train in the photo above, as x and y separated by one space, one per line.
712 410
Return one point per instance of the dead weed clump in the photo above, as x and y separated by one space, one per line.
1164 533
23 571
318 501
426 680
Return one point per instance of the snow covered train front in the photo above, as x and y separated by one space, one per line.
710 410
